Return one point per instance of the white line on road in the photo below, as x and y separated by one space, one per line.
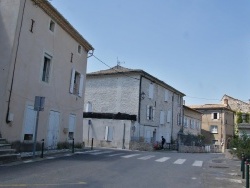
231 180
50 157
180 161
101 152
112 155
146 157
163 159
68 155
197 163
128 156
28 161
83 152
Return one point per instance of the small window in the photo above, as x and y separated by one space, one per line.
178 119
150 112
28 136
215 115
46 69
79 49
32 25
71 57
214 129
52 26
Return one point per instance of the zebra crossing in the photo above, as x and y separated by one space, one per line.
196 163
125 155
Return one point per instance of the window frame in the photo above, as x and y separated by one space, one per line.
45 76
212 128
52 26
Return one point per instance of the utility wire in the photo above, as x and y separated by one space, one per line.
114 68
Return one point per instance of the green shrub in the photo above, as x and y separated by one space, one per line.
240 145
63 145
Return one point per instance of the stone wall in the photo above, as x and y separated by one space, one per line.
191 149
142 146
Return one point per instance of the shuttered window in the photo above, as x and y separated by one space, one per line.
151 91
76 83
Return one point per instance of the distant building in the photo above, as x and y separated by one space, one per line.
192 121
217 124
236 104
157 105
41 55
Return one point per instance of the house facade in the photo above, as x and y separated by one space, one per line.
192 121
41 55
157 106
217 124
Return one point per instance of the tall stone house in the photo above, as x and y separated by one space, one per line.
41 55
158 106
192 121
217 124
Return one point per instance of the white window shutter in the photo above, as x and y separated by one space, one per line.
151 91
166 95
212 116
218 115
162 117
80 86
71 88
106 133
153 114
148 112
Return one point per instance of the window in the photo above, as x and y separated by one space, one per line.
185 122
214 129
215 115
169 116
108 133
79 49
166 95
150 112
71 57
46 68
89 107
76 84
178 119
32 25
151 91
162 114
52 26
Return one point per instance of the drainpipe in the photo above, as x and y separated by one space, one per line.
14 68
139 108
123 140
172 118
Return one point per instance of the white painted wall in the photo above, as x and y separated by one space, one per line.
97 128
29 63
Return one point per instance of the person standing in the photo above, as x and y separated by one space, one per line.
162 142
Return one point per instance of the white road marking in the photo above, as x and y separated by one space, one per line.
68 155
83 152
180 161
128 156
101 152
146 157
231 180
163 159
50 157
112 155
197 163
28 161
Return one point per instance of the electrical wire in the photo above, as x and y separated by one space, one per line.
114 68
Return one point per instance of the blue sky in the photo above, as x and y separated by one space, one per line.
199 47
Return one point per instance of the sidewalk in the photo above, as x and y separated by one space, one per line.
223 172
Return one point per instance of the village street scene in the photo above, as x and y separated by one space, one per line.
67 122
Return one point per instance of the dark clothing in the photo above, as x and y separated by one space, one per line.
162 142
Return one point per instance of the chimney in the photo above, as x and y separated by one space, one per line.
226 102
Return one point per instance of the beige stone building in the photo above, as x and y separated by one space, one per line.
192 121
157 105
41 55
217 124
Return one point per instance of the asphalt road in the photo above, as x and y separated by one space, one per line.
116 168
